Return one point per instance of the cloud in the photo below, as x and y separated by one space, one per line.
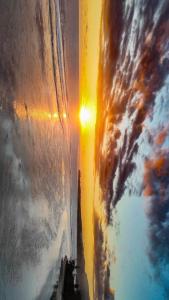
160 138
126 100
156 191
134 64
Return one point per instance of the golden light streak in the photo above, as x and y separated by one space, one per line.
36 114
90 18
55 116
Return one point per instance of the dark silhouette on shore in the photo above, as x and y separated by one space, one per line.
72 283
83 282
67 287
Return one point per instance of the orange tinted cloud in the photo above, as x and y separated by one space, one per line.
160 139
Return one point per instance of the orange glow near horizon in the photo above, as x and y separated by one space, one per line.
90 18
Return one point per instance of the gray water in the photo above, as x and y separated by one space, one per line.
34 149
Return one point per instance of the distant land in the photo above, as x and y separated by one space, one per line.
83 282
73 283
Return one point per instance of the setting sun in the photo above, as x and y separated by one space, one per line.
85 116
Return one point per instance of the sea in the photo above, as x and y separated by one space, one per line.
35 148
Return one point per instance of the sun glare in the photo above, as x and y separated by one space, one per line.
87 116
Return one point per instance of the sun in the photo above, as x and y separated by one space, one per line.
85 116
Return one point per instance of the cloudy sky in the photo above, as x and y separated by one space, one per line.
132 138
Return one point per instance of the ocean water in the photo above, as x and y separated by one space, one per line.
34 149
132 164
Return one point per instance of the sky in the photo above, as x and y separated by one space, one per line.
112 71
128 210
134 245
90 13
131 207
